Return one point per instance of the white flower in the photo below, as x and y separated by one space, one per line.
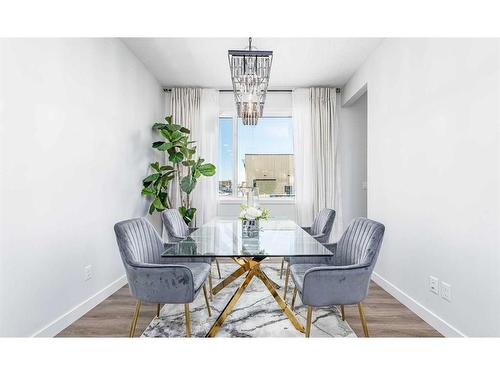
253 213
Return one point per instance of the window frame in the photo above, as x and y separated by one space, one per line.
233 198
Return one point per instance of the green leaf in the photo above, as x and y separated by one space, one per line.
148 191
168 119
188 163
176 157
166 134
155 166
158 144
185 130
187 214
164 198
151 178
166 168
207 169
173 128
159 126
188 183
157 204
151 209
165 146
176 136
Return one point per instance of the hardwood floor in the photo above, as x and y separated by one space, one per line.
386 317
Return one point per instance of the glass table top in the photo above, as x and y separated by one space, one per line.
226 238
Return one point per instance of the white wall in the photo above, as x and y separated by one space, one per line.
75 135
353 129
433 175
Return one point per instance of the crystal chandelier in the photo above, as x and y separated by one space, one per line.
250 75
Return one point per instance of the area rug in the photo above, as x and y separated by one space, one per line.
256 314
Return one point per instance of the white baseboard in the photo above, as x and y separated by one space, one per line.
77 312
446 329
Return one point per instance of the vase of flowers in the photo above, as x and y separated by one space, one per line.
250 218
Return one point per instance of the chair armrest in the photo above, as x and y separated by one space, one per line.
161 283
191 230
307 229
336 285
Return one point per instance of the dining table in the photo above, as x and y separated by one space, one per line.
248 247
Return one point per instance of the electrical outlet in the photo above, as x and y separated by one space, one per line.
88 272
445 291
434 284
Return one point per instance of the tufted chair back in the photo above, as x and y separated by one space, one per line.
174 223
138 241
323 222
360 243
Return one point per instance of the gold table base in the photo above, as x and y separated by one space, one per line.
252 267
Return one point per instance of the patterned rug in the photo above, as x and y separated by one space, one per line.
256 314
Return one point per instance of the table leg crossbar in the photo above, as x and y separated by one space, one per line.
252 267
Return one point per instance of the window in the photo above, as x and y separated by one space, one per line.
260 156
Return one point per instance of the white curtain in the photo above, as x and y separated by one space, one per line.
207 137
198 110
185 107
317 156
302 145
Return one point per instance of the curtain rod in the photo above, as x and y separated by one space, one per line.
169 90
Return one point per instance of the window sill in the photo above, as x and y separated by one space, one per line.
262 201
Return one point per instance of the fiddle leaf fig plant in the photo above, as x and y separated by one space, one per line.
183 167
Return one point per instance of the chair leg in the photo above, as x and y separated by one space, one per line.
188 320
282 266
134 318
308 322
294 296
363 320
342 312
206 300
286 280
158 308
210 286
218 268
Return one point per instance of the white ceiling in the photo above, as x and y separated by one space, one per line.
297 62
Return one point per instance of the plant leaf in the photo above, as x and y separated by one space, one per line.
187 214
166 168
165 146
188 183
155 166
188 163
148 191
157 144
207 169
176 157
157 204
151 178
185 130
159 126
168 119
176 136
173 127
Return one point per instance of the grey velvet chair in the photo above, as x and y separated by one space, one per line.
178 230
155 279
344 278
320 230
